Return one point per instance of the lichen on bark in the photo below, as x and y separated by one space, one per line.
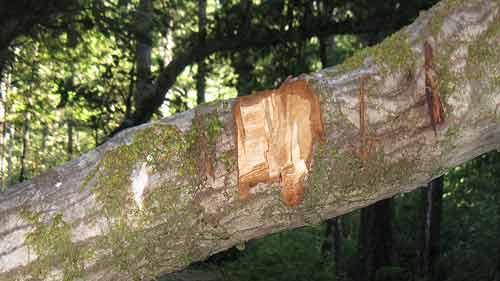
169 214
52 248
392 55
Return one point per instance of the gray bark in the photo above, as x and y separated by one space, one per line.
145 202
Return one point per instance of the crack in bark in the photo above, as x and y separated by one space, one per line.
434 104
367 144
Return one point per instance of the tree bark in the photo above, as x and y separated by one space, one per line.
159 196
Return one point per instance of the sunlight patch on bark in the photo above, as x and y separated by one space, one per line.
140 179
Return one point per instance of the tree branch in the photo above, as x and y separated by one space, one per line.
264 37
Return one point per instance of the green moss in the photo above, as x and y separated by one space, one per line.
214 128
164 149
452 132
483 51
447 81
316 189
482 66
394 54
136 237
484 58
228 159
52 244
350 178
356 176
445 8
161 147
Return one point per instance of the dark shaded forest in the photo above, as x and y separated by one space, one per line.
74 73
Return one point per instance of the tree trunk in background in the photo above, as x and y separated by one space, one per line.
3 61
144 40
145 203
25 145
241 61
243 68
202 67
6 136
10 147
43 153
77 144
429 250
23 173
69 147
323 51
332 245
3 142
95 129
72 43
497 269
3 148
376 245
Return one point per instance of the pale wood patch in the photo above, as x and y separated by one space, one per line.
276 131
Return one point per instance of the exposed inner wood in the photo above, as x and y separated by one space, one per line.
276 131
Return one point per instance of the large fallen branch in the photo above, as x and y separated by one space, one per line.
159 196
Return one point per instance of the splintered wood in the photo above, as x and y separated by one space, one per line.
276 131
